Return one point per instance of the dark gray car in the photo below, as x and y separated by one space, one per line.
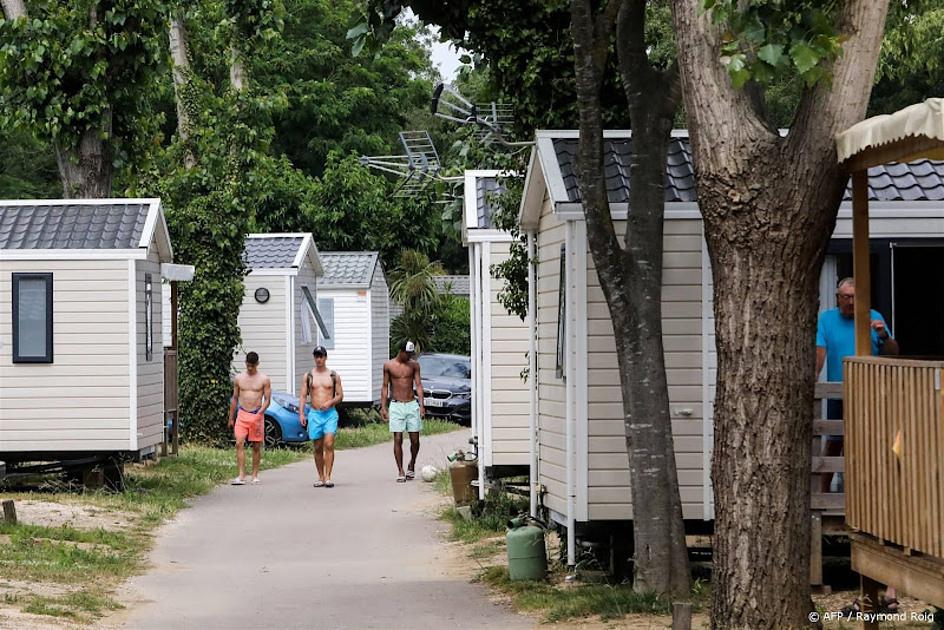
447 386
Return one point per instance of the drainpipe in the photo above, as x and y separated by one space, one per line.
568 390
483 301
532 377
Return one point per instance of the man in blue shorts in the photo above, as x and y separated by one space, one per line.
323 387
401 375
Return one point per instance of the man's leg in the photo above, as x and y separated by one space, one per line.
328 455
256 458
414 449
318 446
241 457
398 451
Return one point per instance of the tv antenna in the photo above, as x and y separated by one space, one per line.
492 119
417 166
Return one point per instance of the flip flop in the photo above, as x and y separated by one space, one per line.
256 481
401 479
410 474
329 484
318 484
237 482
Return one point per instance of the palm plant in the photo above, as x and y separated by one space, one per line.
413 288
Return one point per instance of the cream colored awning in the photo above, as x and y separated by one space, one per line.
910 134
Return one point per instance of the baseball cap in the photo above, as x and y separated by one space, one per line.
319 351
408 347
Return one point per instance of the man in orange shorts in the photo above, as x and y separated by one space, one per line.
252 392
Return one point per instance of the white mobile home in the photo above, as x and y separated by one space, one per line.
500 397
354 303
81 359
581 457
279 318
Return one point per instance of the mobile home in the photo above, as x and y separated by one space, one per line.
354 303
500 398
581 475
80 325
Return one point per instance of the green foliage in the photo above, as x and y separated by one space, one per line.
412 287
68 68
514 269
451 330
27 167
766 40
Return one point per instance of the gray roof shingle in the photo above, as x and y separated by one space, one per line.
458 285
271 252
108 225
915 181
348 269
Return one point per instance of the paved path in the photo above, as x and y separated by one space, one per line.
365 554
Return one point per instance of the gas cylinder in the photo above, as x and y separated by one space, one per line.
527 556
462 472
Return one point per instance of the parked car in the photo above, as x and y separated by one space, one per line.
447 386
281 421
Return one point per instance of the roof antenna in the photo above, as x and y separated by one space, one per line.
491 119
418 166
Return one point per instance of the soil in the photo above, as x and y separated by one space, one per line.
49 514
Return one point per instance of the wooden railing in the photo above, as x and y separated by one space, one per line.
894 446
172 437
823 465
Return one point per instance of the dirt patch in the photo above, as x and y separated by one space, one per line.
12 619
49 514
12 588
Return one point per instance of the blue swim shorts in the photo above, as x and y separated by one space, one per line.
321 422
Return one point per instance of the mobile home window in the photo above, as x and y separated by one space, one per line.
314 311
562 313
32 318
326 308
148 318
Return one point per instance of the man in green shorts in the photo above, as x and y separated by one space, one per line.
401 375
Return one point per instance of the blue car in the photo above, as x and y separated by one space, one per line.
281 421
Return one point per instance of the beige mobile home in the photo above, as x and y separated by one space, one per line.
500 396
353 300
81 358
279 317
581 466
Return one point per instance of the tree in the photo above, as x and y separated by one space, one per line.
769 205
412 287
78 76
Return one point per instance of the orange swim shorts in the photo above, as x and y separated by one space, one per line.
249 425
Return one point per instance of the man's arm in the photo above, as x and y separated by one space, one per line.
887 346
418 382
338 390
231 417
820 360
302 397
267 392
383 393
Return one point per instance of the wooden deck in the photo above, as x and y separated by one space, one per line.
894 417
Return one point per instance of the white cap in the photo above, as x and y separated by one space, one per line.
410 346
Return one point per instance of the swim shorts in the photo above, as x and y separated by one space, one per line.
322 422
405 416
249 424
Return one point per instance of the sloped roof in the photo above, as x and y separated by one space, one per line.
67 225
458 285
32 227
272 252
348 269
916 181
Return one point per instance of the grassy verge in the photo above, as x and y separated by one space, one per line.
379 432
552 600
66 572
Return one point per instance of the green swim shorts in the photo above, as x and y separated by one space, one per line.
405 416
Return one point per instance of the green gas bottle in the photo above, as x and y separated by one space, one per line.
527 556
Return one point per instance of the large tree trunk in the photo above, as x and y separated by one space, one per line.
631 278
769 206
180 58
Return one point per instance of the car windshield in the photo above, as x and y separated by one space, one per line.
432 366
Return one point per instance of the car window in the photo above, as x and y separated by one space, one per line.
447 367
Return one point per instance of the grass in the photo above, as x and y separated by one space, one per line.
378 432
488 519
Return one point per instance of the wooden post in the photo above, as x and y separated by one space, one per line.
681 616
173 314
816 553
860 262
9 511
869 601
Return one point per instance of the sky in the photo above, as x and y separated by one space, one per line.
446 58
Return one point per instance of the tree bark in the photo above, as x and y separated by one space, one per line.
769 206
631 277
13 9
237 71
180 58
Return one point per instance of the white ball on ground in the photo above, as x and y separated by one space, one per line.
429 472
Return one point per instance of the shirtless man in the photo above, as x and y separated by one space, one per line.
324 388
402 373
252 390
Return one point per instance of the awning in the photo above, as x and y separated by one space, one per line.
178 273
916 132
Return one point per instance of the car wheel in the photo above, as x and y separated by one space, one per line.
273 433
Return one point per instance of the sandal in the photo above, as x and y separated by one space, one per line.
329 484
850 610
318 484
401 479
889 605
410 474
237 482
